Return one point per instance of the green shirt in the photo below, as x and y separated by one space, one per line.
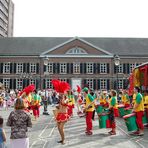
138 98
36 97
91 98
113 101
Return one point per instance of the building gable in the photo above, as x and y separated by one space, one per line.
76 46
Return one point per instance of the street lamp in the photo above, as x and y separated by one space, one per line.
117 63
46 61
45 100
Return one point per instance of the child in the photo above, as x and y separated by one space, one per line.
2 134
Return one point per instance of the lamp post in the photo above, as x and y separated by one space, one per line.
45 100
117 63
45 63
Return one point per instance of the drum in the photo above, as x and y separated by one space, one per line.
99 108
103 120
128 110
144 119
121 110
130 121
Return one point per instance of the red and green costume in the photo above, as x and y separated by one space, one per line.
139 110
89 112
36 105
113 111
70 105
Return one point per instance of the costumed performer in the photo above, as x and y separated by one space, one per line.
104 99
139 110
24 95
89 110
71 102
79 101
112 111
125 99
62 115
146 102
36 104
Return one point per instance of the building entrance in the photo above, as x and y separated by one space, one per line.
75 82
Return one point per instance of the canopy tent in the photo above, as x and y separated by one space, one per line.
139 77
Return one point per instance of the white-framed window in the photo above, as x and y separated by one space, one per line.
90 83
48 84
63 79
63 68
103 68
19 68
120 83
19 84
103 84
131 67
120 68
6 68
76 68
32 67
32 81
89 68
6 82
50 68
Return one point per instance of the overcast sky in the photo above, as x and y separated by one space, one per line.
83 18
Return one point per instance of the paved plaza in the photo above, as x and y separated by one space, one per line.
44 134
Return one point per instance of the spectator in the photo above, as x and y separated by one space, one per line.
2 134
19 120
54 98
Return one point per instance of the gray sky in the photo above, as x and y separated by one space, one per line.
92 18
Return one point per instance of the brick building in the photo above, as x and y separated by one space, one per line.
79 61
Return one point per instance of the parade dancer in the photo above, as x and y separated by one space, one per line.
134 99
62 115
36 104
89 110
112 112
24 95
104 99
81 106
79 101
146 102
30 98
71 103
139 110
125 99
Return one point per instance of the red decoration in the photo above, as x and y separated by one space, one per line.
78 89
28 89
131 81
60 86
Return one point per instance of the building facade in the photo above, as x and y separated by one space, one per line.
79 61
6 18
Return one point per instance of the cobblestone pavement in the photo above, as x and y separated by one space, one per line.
44 134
